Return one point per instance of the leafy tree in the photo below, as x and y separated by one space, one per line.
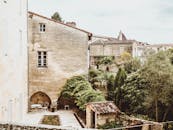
104 60
125 56
170 55
93 74
133 94
80 89
99 76
119 81
56 16
89 96
71 84
107 60
110 88
158 72
81 86
132 65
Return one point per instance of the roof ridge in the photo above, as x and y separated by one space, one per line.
102 36
90 34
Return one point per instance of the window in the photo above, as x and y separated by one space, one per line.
42 27
121 49
42 59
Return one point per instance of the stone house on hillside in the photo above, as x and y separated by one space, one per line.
144 51
57 51
159 47
114 47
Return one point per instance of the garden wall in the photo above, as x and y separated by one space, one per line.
31 127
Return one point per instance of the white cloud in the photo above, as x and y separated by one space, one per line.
145 20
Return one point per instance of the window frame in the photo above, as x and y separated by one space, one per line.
42 59
42 27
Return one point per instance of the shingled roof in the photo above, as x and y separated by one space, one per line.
103 107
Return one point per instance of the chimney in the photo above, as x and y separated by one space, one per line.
73 24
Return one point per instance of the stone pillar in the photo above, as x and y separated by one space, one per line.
88 117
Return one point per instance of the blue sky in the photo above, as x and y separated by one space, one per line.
144 20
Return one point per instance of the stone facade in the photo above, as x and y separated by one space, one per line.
66 50
144 51
111 48
114 47
13 63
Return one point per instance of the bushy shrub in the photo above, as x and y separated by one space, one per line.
81 90
110 125
132 65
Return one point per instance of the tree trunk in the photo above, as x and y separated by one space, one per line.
156 105
165 114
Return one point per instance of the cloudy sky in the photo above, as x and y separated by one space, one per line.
144 20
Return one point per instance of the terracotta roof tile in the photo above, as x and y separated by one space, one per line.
104 107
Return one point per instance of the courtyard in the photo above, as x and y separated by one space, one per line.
66 118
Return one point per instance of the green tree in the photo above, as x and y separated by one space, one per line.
158 72
132 65
119 81
110 88
99 76
107 60
170 54
133 94
71 84
56 16
125 56
81 90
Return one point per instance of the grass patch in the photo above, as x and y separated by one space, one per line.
51 120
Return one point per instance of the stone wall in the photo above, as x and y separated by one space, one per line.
13 63
67 55
105 118
110 49
32 127
113 50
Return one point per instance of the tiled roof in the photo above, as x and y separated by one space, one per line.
90 34
103 42
104 107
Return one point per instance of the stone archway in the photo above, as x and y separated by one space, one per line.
40 98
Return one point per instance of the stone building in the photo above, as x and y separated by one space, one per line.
100 113
114 47
13 63
57 51
158 47
145 50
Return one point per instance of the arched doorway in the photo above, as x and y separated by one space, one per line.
40 98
